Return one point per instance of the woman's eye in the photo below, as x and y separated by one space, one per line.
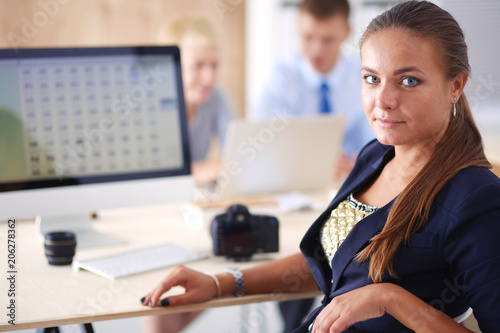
371 79
410 81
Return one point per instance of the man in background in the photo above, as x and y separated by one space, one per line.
321 80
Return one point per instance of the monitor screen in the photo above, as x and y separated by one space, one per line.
79 116
83 129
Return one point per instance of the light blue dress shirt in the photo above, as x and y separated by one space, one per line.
293 89
212 118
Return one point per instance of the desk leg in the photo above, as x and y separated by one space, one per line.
87 328
48 330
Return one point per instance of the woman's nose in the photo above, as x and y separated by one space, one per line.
387 97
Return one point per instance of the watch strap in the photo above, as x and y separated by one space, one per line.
238 281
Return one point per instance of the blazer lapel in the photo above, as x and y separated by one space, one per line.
360 235
311 243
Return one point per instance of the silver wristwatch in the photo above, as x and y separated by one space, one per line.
238 280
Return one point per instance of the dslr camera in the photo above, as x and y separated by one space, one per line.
237 234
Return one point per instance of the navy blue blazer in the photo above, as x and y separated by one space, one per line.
452 263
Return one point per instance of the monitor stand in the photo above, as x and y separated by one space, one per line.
81 225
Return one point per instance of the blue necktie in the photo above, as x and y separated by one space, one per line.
324 101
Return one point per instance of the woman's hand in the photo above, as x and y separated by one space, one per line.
354 306
373 301
199 288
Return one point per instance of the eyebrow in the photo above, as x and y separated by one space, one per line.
408 69
399 71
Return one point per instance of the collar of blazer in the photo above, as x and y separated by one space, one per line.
370 162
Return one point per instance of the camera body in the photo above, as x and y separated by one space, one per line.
237 234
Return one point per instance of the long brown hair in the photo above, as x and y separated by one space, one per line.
460 147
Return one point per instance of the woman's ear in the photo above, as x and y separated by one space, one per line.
458 84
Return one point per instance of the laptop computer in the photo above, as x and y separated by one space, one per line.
279 155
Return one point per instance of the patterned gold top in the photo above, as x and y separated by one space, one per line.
341 221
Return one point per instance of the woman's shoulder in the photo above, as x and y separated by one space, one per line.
474 178
474 174
218 102
473 188
218 94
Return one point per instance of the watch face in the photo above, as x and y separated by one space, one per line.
237 238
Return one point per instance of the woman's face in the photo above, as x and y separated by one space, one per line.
406 95
199 70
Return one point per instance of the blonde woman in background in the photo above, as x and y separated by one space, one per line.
208 114
208 108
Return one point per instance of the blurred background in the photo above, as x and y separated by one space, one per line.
254 34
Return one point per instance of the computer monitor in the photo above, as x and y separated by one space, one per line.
87 129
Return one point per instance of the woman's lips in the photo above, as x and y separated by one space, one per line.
388 123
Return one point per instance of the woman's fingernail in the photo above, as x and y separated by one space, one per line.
150 303
165 302
143 299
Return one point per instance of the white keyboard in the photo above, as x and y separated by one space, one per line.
139 261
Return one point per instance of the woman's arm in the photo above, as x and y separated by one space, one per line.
290 274
417 315
373 301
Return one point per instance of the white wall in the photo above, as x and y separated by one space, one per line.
480 21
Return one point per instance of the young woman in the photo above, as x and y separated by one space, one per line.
208 109
411 240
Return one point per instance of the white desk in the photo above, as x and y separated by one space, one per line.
55 295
